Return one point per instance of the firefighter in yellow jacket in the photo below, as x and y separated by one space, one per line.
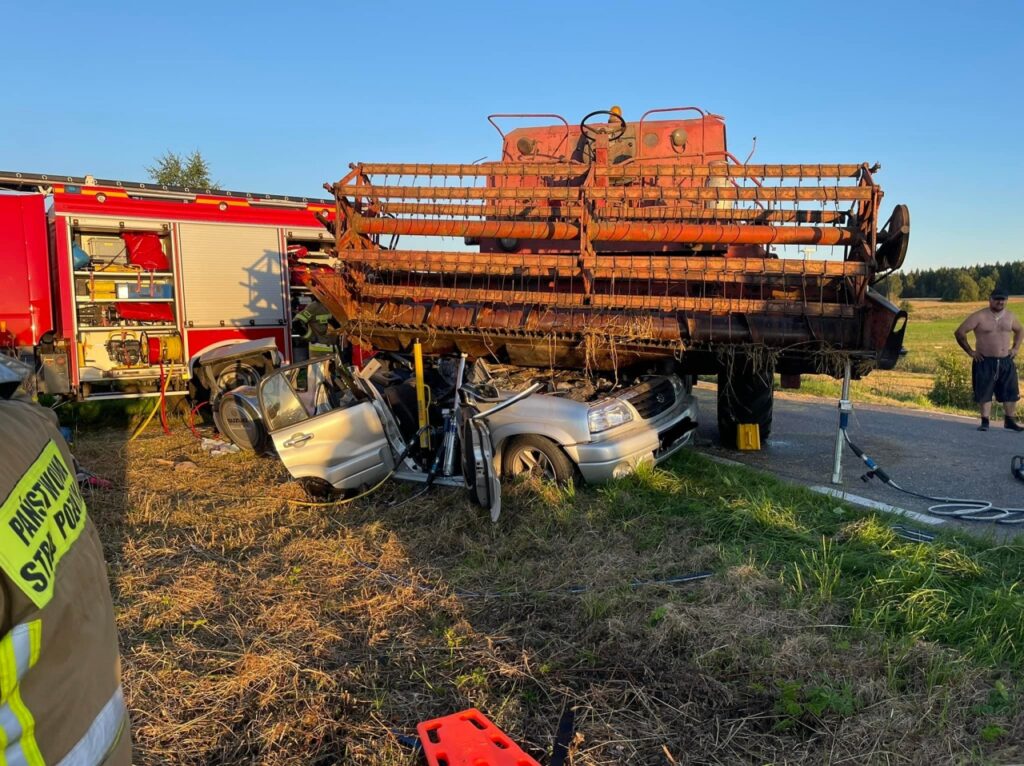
61 701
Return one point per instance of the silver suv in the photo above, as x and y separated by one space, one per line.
355 428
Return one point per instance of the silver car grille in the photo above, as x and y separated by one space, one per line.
652 397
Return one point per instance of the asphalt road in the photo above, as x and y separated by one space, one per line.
931 453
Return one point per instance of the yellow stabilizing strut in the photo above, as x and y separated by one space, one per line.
421 394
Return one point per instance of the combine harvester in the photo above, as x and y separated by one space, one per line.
616 245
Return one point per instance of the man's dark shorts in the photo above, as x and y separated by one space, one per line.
995 375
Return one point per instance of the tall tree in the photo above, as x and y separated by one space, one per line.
985 286
173 169
895 285
961 287
909 284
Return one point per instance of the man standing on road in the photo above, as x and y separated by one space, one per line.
993 370
60 688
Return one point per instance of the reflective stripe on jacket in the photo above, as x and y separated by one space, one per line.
60 695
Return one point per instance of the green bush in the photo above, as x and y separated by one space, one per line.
952 386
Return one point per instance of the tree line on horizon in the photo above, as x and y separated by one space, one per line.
956 283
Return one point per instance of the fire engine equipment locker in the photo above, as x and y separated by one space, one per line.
243 285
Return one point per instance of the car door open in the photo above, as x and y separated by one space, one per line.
324 425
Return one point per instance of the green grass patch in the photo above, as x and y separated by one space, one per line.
955 591
799 701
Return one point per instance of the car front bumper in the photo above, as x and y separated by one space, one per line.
652 443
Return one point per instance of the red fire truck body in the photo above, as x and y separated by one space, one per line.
119 285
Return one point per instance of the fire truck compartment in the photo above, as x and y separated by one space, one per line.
242 286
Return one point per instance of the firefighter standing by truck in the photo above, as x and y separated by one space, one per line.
61 700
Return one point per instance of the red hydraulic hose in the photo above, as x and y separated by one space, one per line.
192 419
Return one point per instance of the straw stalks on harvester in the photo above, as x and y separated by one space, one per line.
615 244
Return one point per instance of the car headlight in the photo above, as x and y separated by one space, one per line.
608 414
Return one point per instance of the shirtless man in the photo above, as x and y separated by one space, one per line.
993 370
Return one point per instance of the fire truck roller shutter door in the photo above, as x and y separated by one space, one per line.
231 275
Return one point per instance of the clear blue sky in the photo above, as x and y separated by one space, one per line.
280 97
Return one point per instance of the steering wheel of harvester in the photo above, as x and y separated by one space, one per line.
591 132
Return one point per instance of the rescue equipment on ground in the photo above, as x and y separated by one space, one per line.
963 509
748 436
469 738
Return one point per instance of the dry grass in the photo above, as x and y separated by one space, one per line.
258 631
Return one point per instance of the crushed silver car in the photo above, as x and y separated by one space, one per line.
349 429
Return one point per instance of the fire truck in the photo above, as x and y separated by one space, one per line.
115 288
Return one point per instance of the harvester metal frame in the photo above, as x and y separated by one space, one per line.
612 245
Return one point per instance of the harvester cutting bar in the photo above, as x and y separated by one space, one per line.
658 267
614 193
543 210
634 169
717 234
719 306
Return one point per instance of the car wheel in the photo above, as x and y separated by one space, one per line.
235 374
538 457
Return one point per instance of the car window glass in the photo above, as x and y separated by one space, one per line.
281 404
305 392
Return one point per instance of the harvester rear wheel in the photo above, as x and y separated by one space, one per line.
745 395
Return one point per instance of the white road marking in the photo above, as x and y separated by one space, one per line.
838 493
874 504
727 461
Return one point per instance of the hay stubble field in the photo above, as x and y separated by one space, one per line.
259 629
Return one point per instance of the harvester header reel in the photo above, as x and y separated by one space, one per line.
605 243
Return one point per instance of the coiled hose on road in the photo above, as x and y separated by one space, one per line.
964 509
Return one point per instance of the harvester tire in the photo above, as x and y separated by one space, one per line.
745 395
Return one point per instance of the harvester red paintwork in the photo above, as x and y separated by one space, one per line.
610 244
